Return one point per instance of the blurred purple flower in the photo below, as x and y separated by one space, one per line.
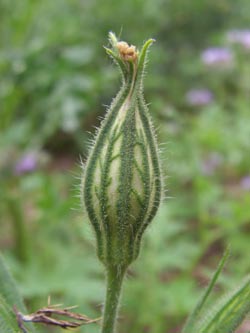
211 163
241 37
214 56
199 97
245 183
27 163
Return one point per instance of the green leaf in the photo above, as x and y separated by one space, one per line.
8 322
8 288
193 318
9 297
229 312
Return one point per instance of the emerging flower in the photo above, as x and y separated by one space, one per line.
127 53
215 56
199 97
241 37
245 183
27 163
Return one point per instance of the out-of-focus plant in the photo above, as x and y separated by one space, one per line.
122 190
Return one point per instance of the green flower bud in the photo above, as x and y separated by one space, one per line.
122 181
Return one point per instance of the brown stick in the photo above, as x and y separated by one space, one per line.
45 316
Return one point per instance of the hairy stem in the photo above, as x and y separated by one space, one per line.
115 275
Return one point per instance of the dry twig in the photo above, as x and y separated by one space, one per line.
45 316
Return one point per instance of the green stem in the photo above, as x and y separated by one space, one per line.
115 275
19 228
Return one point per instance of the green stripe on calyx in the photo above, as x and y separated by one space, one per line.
122 182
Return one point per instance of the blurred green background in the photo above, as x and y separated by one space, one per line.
55 83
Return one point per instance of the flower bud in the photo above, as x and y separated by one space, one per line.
122 181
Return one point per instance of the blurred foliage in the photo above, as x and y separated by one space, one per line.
54 81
